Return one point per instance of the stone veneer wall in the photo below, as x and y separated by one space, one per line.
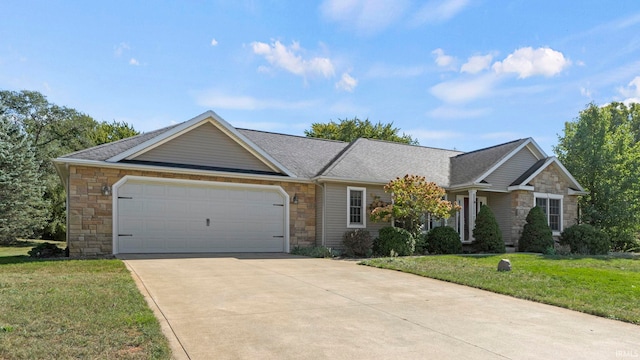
90 213
550 180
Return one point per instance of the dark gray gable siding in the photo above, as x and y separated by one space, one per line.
467 167
505 174
205 145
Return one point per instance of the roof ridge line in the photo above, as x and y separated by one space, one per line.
292 135
336 159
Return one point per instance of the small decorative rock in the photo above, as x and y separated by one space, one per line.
504 265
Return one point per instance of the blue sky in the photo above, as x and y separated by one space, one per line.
461 74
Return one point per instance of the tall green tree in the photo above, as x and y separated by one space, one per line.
22 207
108 132
54 131
351 129
601 148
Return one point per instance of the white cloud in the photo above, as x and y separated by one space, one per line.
347 83
214 42
449 112
528 62
217 100
384 71
631 92
366 16
477 63
288 58
120 48
438 11
585 92
460 91
442 59
133 62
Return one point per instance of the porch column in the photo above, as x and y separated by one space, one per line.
472 213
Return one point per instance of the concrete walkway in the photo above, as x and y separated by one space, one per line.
264 306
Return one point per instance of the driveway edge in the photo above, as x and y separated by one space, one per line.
177 350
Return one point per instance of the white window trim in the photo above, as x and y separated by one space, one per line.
364 208
537 195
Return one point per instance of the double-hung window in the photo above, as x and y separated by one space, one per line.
551 205
356 214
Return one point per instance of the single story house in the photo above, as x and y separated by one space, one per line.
206 186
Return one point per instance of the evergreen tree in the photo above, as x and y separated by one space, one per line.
22 208
536 234
487 232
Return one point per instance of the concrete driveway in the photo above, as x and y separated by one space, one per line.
264 306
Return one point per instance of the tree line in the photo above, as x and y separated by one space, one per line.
600 147
34 131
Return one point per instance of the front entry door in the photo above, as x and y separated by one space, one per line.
463 225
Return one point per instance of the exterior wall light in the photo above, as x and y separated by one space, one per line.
106 190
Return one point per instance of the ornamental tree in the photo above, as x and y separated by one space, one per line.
413 197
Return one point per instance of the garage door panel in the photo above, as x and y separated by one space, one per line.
173 217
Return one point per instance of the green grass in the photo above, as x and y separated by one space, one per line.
22 247
73 309
603 286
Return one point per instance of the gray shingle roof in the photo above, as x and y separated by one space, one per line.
381 161
362 160
529 172
304 156
467 167
109 150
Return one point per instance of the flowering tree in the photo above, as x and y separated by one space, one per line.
413 197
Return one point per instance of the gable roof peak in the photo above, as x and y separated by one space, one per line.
494 146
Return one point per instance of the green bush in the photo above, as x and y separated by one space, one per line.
487 234
46 250
536 234
392 241
586 240
442 240
313 251
623 241
357 243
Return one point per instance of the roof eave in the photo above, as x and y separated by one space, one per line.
469 186
168 169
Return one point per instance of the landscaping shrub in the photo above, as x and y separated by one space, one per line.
586 240
357 243
392 241
314 251
624 241
46 250
443 240
536 234
487 234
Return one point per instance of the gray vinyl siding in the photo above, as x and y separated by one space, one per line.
205 146
504 175
319 213
500 204
336 212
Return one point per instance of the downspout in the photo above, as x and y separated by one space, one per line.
324 213
66 205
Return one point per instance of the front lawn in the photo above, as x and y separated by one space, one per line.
603 286
58 309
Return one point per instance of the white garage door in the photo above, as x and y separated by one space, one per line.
164 217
